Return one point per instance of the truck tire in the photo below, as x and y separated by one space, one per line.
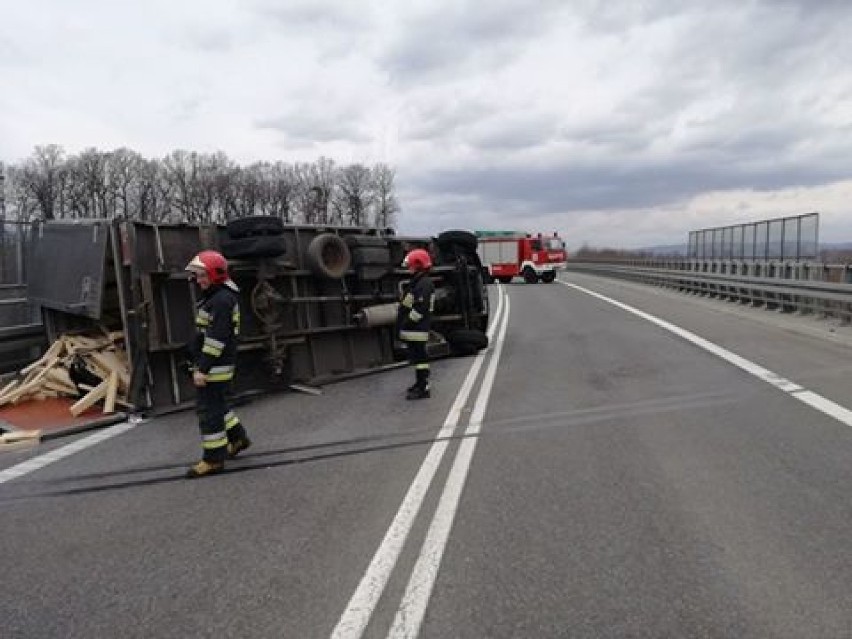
530 276
328 256
246 248
548 276
462 239
504 279
254 226
465 341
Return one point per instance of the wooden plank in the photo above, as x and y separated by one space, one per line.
53 352
111 394
30 387
20 435
8 387
109 363
121 401
49 384
60 376
89 400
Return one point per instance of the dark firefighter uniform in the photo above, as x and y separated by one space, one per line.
217 320
415 316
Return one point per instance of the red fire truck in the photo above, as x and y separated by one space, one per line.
508 254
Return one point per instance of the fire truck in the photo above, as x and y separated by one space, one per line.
509 254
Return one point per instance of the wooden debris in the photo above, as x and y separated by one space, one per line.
93 396
49 376
18 439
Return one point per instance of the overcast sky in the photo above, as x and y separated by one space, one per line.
618 123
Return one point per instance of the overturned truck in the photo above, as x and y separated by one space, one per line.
318 303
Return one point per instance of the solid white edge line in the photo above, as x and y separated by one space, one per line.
355 618
37 463
814 400
409 616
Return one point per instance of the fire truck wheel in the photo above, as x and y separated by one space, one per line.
328 256
463 239
530 276
465 342
548 276
504 279
255 225
246 248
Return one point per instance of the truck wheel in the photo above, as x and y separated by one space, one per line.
504 279
328 256
463 239
548 276
465 342
530 276
255 225
246 248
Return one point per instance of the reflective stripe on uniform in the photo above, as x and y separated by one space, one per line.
202 318
235 320
408 300
414 316
220 374
414 336
214 440
231 420
421 367
212 347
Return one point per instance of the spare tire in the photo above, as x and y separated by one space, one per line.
465 341
254 226
463 239
328 256
246 248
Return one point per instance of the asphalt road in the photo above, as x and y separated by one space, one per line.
606 478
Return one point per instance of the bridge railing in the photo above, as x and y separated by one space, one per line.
806 287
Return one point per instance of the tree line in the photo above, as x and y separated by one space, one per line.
186 186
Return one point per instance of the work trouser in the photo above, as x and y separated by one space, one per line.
218 424
418 358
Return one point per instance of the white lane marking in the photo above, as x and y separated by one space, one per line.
37 463
360 608
411 611
793 389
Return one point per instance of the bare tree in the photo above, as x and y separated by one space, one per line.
124 177
385 204
195 187
354 195
43 175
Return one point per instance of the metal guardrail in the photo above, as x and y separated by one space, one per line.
831 299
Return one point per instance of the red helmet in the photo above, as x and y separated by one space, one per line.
418 260
211 262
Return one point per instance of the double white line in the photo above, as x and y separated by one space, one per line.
353 622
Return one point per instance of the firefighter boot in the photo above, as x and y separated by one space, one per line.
421 389
204 468
237 446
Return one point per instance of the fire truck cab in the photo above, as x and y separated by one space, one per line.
510 254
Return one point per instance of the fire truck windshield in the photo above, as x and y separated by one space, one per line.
555 244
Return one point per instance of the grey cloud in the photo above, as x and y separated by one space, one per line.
513 134
620 185
314 127
309 15
453 37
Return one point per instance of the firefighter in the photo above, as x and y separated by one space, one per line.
415 314
213 351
